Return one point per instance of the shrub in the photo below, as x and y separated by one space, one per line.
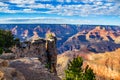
76 72
1 51
6 40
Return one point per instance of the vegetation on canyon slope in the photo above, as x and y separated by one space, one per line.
76 72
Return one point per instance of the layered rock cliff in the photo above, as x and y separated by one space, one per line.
96 40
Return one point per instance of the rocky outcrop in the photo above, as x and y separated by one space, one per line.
7 73
33 69
28 49
10 74
44 50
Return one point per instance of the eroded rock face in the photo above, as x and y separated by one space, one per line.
106 66
28 49
96 40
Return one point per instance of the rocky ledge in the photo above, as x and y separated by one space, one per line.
32 69
25 69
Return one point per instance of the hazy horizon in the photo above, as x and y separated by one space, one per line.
56 24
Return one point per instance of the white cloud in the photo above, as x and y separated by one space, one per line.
109 4
3 4
6 10
49 20
84 10
98 7
22 1
68 1
28 10
37 6
98 3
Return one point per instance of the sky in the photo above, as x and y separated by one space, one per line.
98 12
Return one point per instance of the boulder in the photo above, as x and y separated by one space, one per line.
7 56
7 73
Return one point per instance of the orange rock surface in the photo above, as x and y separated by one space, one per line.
106 66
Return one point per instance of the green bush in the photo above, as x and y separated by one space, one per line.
76 72
1 51
6 40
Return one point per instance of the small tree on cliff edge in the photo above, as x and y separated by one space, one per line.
75 71
6 40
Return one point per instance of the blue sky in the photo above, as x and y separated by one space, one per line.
100 12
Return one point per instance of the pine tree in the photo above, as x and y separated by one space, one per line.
88 74
75 71
1 50
6 40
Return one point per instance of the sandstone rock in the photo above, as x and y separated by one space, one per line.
7 73
10 74
105 65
